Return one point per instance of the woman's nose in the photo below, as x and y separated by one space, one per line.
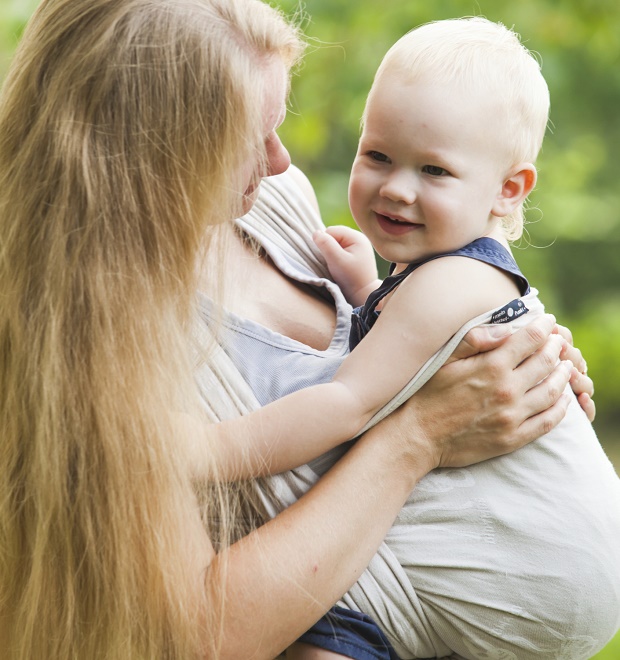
278 158
399 187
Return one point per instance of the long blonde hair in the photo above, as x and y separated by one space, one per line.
122 123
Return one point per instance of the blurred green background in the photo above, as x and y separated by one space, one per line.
572 244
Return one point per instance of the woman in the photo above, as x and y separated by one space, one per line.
128 129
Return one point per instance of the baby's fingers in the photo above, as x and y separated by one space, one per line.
325 241
345 236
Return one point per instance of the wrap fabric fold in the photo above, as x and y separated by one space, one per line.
283 215
513 558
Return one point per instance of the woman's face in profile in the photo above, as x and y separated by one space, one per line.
273 113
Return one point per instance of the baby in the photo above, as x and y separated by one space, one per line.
521 555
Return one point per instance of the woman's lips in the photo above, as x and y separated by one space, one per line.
395 227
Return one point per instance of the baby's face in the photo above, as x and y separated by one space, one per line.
428 169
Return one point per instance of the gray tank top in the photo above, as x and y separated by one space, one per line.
292 365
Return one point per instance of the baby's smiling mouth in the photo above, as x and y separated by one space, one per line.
398 220
395 225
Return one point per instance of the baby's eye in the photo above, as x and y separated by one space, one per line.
378 156
435 170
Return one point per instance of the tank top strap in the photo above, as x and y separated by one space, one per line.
364 317
494 253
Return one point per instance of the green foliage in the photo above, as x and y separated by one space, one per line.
13 16
611 651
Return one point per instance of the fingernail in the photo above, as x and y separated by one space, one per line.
568 365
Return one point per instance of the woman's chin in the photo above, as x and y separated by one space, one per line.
249 198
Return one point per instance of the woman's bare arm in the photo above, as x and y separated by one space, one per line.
289 572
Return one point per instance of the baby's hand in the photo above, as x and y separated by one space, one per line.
351 261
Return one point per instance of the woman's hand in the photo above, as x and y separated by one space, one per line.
582 385
498 392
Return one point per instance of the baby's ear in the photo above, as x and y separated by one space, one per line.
515 189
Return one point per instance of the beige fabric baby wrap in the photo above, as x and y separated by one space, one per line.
514 558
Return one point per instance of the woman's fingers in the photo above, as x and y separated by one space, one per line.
539 409
532 393
546 392
588 405
481 339
582 384
573 354
517 390
564 332
530 339
540 364
538 425
516 347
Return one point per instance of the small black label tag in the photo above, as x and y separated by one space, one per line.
513 310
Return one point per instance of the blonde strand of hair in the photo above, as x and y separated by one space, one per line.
121 123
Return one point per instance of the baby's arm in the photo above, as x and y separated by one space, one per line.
351 261
288 432
428 308
423 313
